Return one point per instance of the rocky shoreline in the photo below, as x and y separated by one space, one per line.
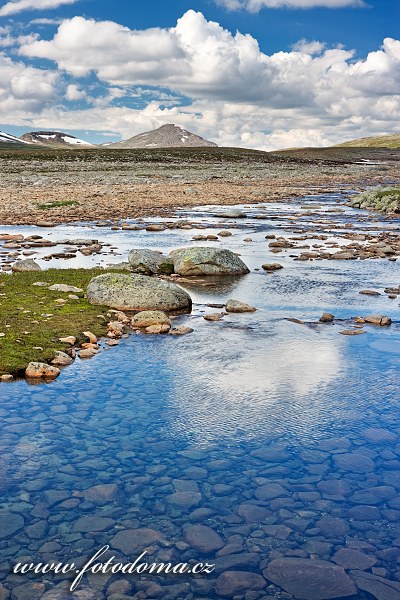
140 301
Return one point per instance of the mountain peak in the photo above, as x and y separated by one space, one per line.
53 138
166 136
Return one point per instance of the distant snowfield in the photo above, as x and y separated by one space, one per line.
75 141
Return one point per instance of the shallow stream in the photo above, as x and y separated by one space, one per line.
282 438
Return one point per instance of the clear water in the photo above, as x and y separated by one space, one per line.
239 404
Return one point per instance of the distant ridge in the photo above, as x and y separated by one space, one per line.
166 136
382 141
53 138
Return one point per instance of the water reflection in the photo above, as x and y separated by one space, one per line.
280 439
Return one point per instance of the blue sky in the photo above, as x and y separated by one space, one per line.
290 76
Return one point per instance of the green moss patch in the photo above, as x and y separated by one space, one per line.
32 322
380 199
57 204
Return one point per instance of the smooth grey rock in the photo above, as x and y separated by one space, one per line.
150 262
184 500
235 583
131 541
27 264
28 591
354 559
381 320
146 318
207 261
137 292
102 494
61 359
232 213
229 562
355 462
62 287
10 523
270 491
62 593
88 524
235 306
202 538
309 579
379 587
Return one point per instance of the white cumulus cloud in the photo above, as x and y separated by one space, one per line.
257 5
16 6
24 90
238 95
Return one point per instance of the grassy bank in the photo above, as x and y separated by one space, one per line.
380 199
32 322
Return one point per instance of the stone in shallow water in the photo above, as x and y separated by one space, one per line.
352 332
364 513
235 306
374 495
101 494
207 261
231 213
184 499
149 262
181 330
378 435
38 370
63 593
327 318
253 513
271 454
380 588
10 523
353 559
249 560
131 541
88 524
333 526
356 462
233 583
381 320
272 267
137 292
61 359
28 591
202 538
270 491
310 579
147 318
334 489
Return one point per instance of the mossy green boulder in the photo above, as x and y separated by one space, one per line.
137 292
150 262
207 261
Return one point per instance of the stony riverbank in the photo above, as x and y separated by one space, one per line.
51 187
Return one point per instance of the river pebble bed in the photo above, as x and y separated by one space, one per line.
265 446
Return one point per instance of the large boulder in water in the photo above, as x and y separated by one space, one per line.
309 578
150 262
137 292
207 261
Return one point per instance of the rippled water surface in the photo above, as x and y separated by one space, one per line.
280 437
